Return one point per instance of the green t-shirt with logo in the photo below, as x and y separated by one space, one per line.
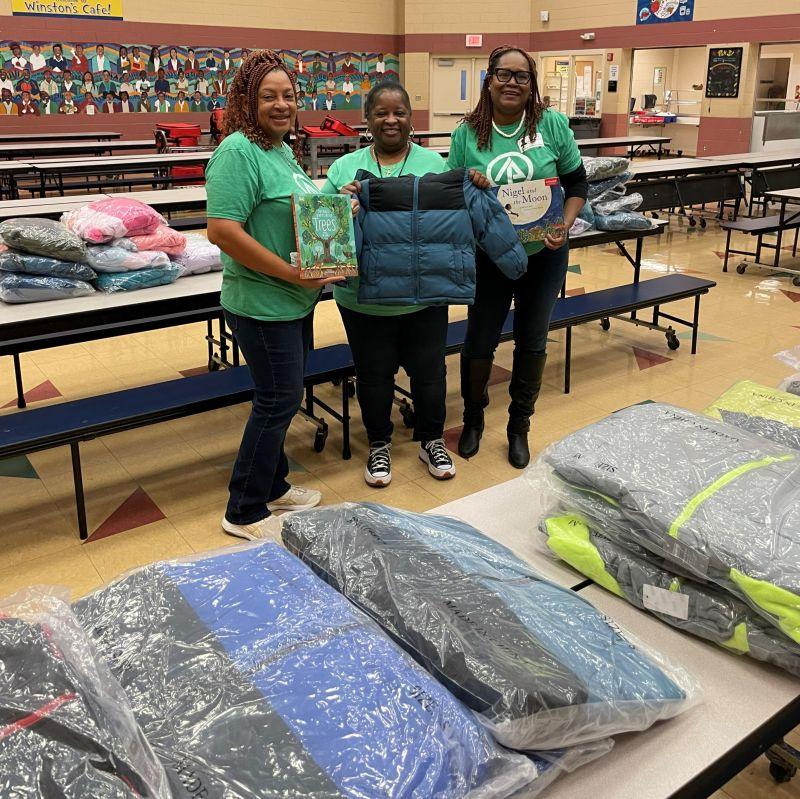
553 153
248 184
421 161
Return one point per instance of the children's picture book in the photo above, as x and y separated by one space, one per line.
323 229
535 207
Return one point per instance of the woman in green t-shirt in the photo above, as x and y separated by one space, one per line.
512 137
385 337
250 180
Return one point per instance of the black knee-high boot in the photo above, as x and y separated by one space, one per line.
526 383
475 374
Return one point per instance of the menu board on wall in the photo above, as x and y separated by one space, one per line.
724 71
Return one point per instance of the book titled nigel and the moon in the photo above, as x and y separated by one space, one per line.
535 208
324 236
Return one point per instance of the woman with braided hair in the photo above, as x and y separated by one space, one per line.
250 181
512 137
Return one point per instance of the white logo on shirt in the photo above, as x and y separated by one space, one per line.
510 167
305 183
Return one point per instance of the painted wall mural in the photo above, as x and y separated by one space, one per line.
42 79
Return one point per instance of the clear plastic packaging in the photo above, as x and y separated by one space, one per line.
604 167
112 218
163 239
122 256
587 214
16 289
694 607
610 186
199 256
539 665
252 678
27 264
67 729
791 385
622 220
712 501
628 202
111 282
579 226
43 237
791 358
762 410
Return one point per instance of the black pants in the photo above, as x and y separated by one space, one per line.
534 296
381 345
276 355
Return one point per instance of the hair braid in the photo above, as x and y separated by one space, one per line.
480 118
241 111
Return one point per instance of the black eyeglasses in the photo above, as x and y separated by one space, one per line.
523 77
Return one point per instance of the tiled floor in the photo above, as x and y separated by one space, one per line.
159 492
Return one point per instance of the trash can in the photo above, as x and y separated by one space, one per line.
586 128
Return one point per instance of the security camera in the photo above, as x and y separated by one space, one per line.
587 37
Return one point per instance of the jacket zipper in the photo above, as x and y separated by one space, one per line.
415 239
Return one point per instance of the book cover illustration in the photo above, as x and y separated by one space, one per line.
324 237
535 207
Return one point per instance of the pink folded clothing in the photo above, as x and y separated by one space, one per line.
163 239
112 218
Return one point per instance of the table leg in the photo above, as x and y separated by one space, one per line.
695 323
18 379
80 500
568 361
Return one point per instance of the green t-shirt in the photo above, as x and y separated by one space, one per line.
553 153
342 171
251 185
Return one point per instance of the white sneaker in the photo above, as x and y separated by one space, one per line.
378 471
435 454
296 498
268 529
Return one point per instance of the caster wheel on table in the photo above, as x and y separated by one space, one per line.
654 215
351 389
796 281
703 224
605 324
692 222
320 438
672 341
781 773
213 366
740 270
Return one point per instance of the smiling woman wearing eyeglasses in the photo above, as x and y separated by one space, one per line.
511 137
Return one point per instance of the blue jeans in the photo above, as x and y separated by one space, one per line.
276 356
534 296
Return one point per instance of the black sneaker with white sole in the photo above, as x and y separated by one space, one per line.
435 454
378 471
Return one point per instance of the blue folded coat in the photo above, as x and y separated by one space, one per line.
253 678
540 664
417 238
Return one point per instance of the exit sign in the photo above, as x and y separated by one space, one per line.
474 40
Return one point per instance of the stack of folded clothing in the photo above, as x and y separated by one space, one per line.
41 260
129 243
199 256
251 678
609 206
764 411
66 726
691 518
538 664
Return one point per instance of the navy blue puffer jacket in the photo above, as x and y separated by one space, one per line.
417 239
